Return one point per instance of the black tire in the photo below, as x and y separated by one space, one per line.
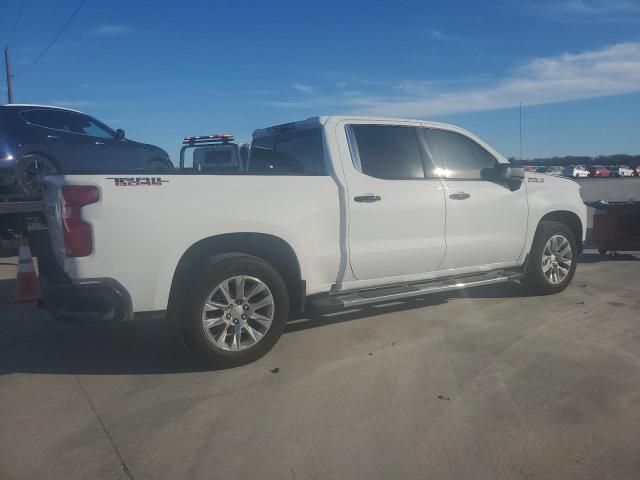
534 279
29 169
602 251
204 280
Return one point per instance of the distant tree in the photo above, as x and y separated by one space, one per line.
615 159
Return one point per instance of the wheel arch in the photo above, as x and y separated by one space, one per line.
40 153
570 219
269 248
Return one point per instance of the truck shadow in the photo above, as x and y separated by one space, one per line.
599 257
32 342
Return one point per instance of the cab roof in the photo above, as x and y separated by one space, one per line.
321 120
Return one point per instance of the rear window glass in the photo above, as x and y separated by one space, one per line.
293 152
213 159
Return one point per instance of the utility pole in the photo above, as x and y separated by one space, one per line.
9 76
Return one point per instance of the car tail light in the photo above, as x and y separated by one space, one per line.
78 239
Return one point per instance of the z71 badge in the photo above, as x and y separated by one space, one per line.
536 180
137 181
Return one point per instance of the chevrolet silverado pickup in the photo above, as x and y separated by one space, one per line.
330 212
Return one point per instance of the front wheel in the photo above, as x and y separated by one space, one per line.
236 311
552 259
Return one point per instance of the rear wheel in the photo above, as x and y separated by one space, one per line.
236 311
552 259
30 170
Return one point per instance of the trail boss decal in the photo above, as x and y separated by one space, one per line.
536 180
137 181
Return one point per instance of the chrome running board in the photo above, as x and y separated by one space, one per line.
357 298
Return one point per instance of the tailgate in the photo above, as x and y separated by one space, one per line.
53 214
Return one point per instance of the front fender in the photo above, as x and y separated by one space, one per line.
547 195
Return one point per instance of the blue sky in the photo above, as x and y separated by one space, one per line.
162 70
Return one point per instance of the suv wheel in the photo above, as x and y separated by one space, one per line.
237 310
552 259
30 169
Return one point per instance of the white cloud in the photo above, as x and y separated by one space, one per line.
590 11
610 71
109 29
303 88
443 37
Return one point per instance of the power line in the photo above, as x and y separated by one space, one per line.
18 17
64 27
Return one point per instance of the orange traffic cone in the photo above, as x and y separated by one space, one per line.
27 284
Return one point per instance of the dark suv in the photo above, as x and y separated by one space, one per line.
40 140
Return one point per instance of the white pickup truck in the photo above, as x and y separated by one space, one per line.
330 212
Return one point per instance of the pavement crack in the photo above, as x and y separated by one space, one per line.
123 465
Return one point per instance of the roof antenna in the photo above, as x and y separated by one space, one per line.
520 130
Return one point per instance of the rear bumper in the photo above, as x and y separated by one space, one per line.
88 300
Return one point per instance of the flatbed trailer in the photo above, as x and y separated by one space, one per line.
20 216
16 204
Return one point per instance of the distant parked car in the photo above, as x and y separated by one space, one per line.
599 171
577 171
554 171
37 140
621 171
636 170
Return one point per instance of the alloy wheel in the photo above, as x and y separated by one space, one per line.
30 171
238 313
557 257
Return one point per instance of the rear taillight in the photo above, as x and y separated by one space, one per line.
78 240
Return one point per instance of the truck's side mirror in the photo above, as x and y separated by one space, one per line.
119 134
509 171
505 174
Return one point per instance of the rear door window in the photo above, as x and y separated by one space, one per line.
386 151
56 119
291 152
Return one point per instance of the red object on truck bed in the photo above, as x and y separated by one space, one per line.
616 226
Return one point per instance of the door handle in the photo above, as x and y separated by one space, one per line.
459 196
368 198
53 137
99 143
